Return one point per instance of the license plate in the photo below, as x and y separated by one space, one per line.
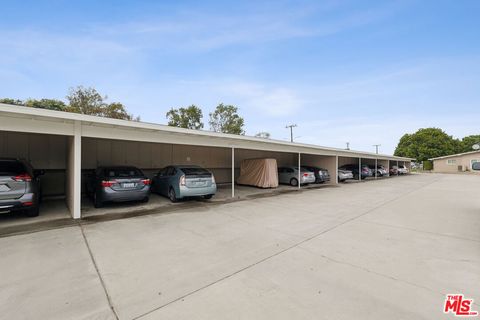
4 187
129 185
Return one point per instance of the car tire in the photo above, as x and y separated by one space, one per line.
97 203
32 212
208 196
146 199
294 182
172 195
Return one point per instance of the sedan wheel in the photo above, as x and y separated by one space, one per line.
294 182
172 196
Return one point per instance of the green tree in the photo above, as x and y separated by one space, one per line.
465 145
426 143
11 101
263 134
86 101
89 101
116 110
188 118
225 119
51 104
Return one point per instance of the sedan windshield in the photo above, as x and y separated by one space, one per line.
192 171
123 172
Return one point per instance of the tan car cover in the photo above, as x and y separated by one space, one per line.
259 173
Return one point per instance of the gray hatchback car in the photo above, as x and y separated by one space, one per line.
177 182
118 184
19 187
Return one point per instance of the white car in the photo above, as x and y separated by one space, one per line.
289 175
402 170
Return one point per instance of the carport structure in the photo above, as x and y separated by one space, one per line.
81 143
373 160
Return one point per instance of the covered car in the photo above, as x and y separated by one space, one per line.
260 173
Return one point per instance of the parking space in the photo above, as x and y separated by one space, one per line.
46 153
152 157
51 210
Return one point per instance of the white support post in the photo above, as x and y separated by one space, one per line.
336 169
359 169
233 172
74 178
376 164
397 167
299 170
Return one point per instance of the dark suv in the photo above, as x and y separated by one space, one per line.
321 175
19 187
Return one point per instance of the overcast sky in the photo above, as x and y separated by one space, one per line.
359 71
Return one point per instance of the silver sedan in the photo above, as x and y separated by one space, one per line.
289 175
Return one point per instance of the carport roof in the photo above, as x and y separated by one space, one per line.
221 139
455 155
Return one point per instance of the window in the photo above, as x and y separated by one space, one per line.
126 172
171 171
194 171
11 167
162 172
451 162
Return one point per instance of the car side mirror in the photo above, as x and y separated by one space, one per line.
38 172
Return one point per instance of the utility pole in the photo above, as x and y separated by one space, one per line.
376 147
348 145
291 126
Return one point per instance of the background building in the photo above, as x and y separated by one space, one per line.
456 162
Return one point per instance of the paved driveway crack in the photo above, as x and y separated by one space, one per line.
102 282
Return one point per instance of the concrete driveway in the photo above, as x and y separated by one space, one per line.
388 249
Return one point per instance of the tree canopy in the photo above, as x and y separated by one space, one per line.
225 119
12 101
188 118
467 142
426 143
51 104
80 100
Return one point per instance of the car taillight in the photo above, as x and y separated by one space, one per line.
182 180
146 182
27 204
305 174
23 177
107 184
213 179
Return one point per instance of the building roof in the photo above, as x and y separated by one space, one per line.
455 155
100 127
